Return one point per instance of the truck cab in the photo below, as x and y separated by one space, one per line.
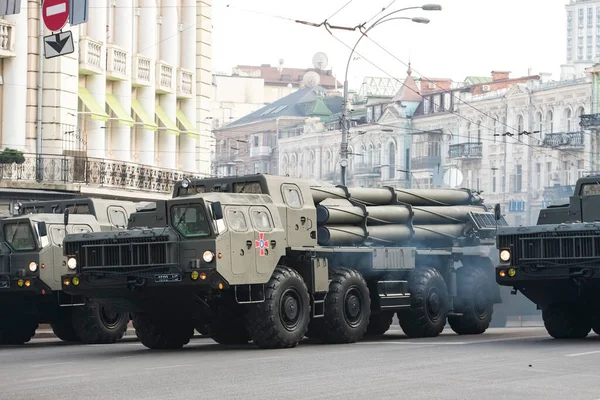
582 206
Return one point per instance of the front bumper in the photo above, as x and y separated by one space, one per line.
24 285
91 285
517 276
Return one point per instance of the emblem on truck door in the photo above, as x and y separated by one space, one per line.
262 244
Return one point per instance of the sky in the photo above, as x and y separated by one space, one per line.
467 37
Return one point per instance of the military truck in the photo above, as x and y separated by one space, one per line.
556 263
271 259
31 266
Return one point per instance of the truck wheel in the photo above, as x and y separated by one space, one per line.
426 316
62 326
17 331
379 323
228 326
282 319
564 321
473 302
347 307
96 324
162 333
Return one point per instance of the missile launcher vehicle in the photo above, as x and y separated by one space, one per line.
556 263
272 259
32 263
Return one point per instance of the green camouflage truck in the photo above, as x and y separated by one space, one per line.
272 259
32 263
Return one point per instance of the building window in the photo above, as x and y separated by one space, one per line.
548 174
493 180
568 119
479 132
520 127
538 176
377 112
540 122
425 105
392 160
567 170
550 122
590 15
580 169
519 179
580 17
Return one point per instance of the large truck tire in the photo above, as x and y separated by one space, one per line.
379 323
281 321
426 316
62 326
17 331
347 307
474 302
228 326
162 333
565 321
96 324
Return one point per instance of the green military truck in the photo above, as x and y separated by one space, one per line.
32 263
271 259
556 263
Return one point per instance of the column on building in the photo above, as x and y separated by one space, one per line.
147 46
187 142
95 129
169 53
123 37
204 85
14 93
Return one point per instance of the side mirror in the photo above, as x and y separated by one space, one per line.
217 210
66 216
497 212
42 230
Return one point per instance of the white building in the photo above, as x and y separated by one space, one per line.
127 110
583 37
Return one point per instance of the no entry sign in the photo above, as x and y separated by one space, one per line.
55 14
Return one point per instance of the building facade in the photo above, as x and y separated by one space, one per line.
127 110
583 37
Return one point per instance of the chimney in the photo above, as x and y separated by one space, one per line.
499 75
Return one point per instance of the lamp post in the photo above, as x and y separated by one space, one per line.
344 145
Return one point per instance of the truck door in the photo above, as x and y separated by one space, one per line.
300 221
240 234
262 248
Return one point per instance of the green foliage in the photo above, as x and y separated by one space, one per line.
9 156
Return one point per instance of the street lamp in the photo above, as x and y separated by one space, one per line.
344 145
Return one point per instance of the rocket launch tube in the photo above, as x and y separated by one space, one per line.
382 196
444 215
390 235
349 215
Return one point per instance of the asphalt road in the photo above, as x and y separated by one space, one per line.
508 363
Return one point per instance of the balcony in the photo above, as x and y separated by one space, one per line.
141 74
589 121
427 162
90 56
570 140
7 39
185 83
466 150
116 63
260 151
94 172
164 77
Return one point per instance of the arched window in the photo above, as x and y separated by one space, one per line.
540 123
378 155
520 127
568 121
392 159
550 122
468 132
311 163
478 131
284 165
327 160
363 155
293 167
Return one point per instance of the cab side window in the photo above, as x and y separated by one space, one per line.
236 220
57 234
291 195
261 220
117 216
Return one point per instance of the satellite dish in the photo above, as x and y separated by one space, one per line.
311 79
453 178
320 60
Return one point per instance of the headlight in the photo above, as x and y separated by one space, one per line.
72 263
32 266
505 255
208 256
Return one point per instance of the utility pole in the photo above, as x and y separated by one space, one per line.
529 154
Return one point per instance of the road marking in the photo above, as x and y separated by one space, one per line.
53 364
47 378
583 354
57 9
169 366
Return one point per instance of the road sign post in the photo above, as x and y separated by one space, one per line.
55 14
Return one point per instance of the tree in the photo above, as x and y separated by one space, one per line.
10 156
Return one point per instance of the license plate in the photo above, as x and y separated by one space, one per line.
4 284
167 278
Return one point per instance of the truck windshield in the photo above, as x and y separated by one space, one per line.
19 235
190 220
